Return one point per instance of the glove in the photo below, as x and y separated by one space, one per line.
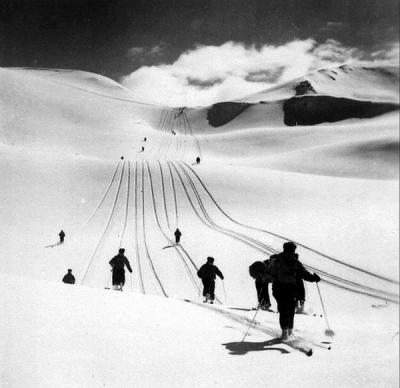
316 278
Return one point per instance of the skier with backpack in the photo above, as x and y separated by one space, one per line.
207 273
260 273
286 269
118 264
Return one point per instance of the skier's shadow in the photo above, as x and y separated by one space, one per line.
240 348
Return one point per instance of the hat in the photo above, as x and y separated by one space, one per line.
289 246
210 259
121 250
70 270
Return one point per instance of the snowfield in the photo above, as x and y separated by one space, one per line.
71 158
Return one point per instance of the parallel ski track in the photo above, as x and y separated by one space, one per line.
186 119
126 205
144 237
206 219
103 198
106 227
163 194
174 192
186 266
267 249
139 268
285 238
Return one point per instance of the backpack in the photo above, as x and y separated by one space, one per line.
257 269
264 269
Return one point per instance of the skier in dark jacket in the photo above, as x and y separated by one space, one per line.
178 235
286 269
62 236
198 160
118 264
207 274
69 278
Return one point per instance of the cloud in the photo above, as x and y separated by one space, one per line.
331 25
390 54
134 51
208 74
145 51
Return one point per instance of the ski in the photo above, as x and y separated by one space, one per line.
299 344
53 245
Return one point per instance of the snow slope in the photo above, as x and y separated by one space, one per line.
332 188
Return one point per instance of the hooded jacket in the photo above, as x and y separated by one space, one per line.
118 263
287 269
208 271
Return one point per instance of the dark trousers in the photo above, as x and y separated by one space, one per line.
285 295
262 292
177 239
118 277
61 239
209 287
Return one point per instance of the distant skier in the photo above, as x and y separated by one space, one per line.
69 278
142 149
198 160
178 235
207 274
145 139
286 268
118 264
62 236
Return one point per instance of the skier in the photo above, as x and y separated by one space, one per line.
260 272
145 139
118 264
286 269
198 160
142 149
62 236
69 278
178 235
207 274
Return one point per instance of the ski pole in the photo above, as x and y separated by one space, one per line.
329 332
131 283
252 321
223 287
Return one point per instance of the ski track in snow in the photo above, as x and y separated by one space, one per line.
208 212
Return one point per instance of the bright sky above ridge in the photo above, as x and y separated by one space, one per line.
197 52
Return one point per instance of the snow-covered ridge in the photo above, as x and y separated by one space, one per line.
375 84
326 95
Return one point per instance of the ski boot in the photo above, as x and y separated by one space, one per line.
300 307
265 306
207 298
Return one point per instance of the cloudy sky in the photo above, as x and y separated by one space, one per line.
195 52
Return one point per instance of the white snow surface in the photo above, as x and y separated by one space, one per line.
332 188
